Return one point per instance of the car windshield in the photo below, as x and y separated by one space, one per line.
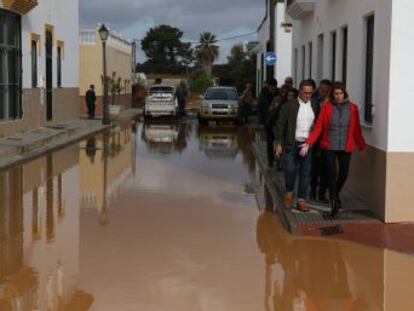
221 94
161 89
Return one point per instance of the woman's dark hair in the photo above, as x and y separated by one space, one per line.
295 94
338 86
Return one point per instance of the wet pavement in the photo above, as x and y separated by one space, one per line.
172 216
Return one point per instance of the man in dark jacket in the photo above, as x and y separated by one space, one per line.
90 98
293 128
268 94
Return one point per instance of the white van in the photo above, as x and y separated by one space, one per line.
161 101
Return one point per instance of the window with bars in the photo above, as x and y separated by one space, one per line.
310 59
10 65
59 66
369 67
344 54
333 58
34 63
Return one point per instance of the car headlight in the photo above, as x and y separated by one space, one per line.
204 104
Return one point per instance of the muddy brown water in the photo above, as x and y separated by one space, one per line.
170 216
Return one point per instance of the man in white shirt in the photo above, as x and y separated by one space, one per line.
293 128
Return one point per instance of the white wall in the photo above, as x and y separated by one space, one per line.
401 110
333 16
64 16
283 46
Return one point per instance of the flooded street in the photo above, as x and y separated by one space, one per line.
173 216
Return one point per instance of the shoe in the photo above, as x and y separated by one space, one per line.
303 207
312 194
338 203
288 201
334 207
323 199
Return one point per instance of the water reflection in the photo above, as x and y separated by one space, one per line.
107 162
218 141
39 239
40 205
166 137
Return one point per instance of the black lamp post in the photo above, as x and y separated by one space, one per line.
104 34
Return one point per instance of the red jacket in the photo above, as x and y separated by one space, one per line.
321 129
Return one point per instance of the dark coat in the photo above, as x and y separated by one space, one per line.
90 97
285 129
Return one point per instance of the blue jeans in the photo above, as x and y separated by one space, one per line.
294 164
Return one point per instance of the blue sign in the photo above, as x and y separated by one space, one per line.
270 58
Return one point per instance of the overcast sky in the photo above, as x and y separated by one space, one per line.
133 18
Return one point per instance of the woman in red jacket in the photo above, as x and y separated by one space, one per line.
339 130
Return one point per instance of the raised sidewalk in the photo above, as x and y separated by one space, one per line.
354 223
26 146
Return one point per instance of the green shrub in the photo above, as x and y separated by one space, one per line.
199 82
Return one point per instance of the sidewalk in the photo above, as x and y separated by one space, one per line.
26 146
354 223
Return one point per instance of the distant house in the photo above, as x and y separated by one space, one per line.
119 65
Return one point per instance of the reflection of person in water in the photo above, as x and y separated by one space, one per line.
302 274
91 148
277 247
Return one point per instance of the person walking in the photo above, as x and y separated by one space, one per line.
339 130
247 99
319 181
181 95
292 130
267 96
90 98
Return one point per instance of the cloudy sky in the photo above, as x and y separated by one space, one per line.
132 18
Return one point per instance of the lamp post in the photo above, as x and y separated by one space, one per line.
104 34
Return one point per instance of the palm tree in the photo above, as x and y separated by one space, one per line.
207 51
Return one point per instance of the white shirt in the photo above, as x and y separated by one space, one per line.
305 120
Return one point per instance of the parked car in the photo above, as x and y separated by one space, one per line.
220 103
160 101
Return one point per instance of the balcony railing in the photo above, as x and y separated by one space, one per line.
20 6
300 9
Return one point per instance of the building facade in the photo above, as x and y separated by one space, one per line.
119 68
273 25
367 45
39 76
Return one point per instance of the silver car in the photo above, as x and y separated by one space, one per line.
219 103
161 101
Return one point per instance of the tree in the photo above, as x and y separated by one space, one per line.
164 49
207 51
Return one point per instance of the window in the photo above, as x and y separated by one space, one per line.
10 66
303 62
320 57
344 54
310 59
59 66
369 66
34 63
295 69
333 59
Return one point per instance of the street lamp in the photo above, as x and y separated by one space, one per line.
104 34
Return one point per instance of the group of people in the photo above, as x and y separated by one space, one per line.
312 132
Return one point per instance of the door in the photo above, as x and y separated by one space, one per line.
49 75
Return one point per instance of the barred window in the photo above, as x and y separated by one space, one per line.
10 65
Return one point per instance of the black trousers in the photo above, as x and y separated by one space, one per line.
319 181
338 168
270 138
91 110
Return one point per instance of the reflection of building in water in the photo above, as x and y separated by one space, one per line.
326 274
39 234
218 142
165 138
103 171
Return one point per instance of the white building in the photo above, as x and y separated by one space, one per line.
39 74
368 45
282 42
